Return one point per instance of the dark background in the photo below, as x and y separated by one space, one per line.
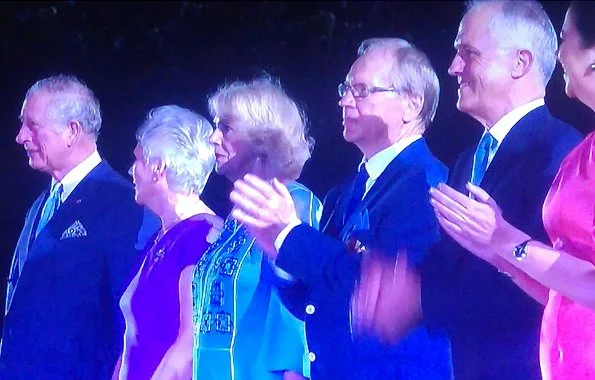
139 55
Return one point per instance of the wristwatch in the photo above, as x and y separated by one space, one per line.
520 251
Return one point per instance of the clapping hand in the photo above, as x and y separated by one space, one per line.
386 302
264 208
476 224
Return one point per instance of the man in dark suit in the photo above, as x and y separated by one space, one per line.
388 99
77 248
505 55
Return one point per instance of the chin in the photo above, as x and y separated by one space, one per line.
349 137
138 197
220 169
464 106
569 91
349 134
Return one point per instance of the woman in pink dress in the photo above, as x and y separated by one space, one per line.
567 267
173 160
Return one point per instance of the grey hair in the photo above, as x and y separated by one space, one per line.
179 138
411 72
269 121
523 24
72 101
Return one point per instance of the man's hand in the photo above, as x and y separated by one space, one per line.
476 224
264 209
387 300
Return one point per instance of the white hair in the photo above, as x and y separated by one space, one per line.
523 24
72 101
270 121
410 72
179 138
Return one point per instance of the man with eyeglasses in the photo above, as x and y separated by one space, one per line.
388 100
505 54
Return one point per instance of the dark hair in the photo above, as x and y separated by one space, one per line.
583 14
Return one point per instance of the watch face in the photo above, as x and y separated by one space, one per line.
520 251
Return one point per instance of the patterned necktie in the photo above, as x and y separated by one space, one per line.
50 207
359 188
481 157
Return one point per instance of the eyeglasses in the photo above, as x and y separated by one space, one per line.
361 90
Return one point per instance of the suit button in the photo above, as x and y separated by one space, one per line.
311 356
310 309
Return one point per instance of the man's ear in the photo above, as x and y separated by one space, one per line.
523 63
413 105
74 130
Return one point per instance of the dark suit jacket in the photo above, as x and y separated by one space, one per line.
494 325
395 213
64 321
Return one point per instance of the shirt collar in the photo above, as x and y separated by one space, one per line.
76 175
505 124
378 162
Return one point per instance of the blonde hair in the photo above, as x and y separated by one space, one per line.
269 121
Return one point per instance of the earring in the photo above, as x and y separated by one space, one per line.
154 178
592 66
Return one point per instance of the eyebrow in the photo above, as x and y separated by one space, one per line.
467 46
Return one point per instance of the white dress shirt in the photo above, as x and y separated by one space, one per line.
77 174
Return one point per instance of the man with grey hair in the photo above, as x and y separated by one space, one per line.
77 247
388 99
505 55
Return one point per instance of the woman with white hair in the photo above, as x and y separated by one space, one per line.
173 160
242 330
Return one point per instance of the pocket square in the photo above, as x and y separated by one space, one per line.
75 230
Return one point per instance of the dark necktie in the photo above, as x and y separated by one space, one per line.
359 188
481 157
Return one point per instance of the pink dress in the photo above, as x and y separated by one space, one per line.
568 329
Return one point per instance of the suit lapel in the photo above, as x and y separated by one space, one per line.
390 177
68 211
514 144
28 246
331 209
23 246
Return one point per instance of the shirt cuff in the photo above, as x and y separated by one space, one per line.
284 232
282 274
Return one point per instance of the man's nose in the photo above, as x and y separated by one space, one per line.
456 66
215 137
22 135
347 100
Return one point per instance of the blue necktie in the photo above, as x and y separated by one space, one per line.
50 207
359 188
481 157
